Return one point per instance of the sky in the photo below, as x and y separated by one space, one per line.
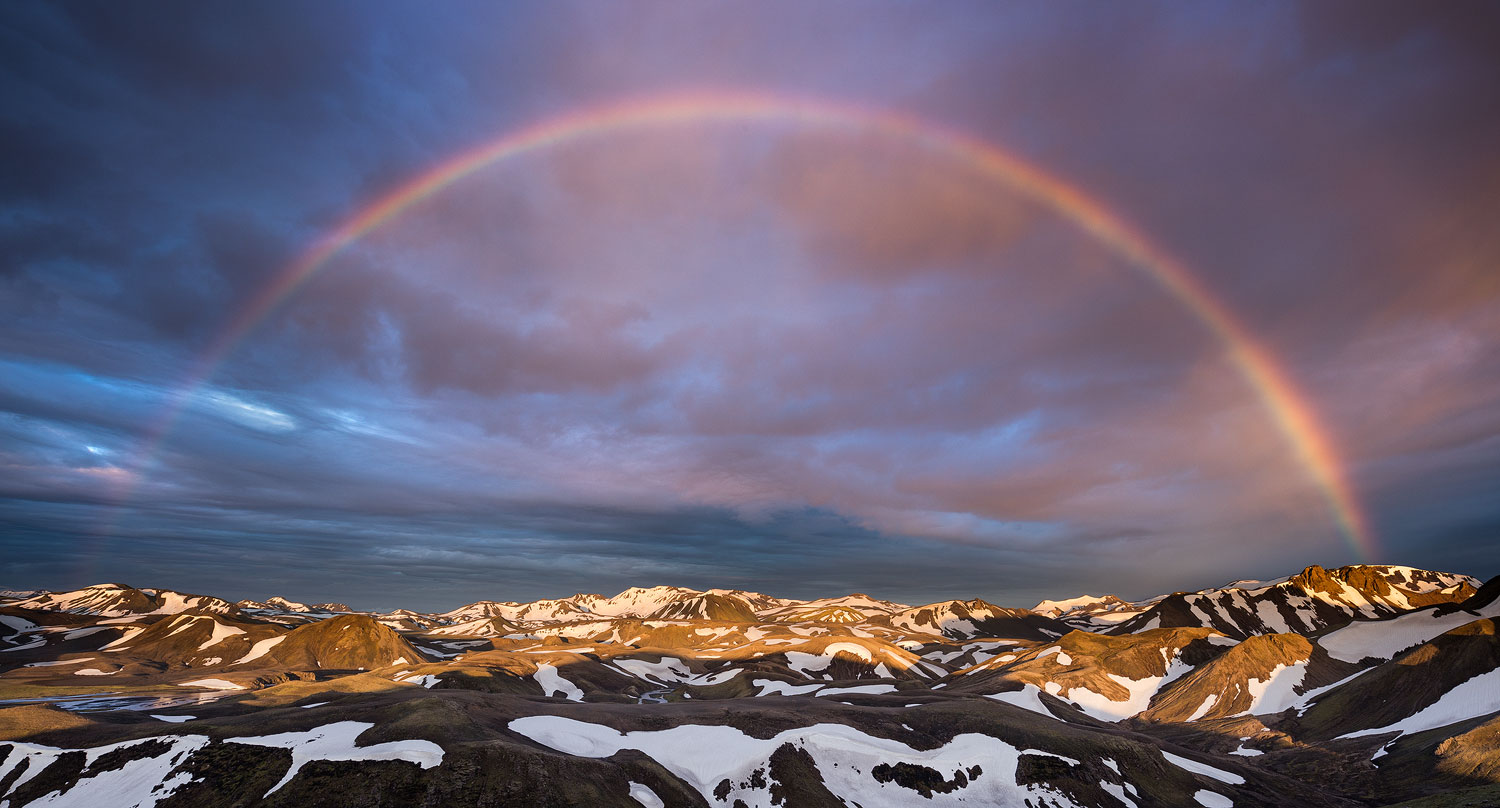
798 354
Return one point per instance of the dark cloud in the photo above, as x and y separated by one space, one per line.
770 355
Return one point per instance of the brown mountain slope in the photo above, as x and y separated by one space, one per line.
118 599
346 642
1311 601
1110 678
963 619
1405 685
193 640
1261 675
708 606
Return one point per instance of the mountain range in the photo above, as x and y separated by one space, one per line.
1356 686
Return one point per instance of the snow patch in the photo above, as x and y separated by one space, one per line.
1208 704
57 662
212 684
1027 698
645 796
1384 639
1204 769
705 756
552 683
1473 698
776 687
857 690
140 783
259 650
337 742
1276 692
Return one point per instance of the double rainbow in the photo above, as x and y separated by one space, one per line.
1286 404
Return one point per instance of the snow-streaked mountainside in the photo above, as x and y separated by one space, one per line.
1363 685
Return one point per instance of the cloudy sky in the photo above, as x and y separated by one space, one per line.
767 353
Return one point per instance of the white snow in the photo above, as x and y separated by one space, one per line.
853 649
221 633
552 683
716 678
19 625
1107 709
1213 799
337 742
1208 704
259 649
1471 699
184 623
57 662
1270 614
1027 697
1204 769
1053 608
140 783
1384 639
78 633
1276 692
1118 792
703 756
38 757
173 719
120 641
645 796
94 672
1306 700
212 684
667 670
1062 656
776 687
807 664
857 690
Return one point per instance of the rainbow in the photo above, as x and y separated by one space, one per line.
1286 404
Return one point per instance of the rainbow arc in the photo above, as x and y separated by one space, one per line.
1287 405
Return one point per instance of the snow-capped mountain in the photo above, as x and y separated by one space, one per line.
112 600
1081 605
1310 601
1256 693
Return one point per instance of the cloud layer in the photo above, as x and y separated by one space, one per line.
770 356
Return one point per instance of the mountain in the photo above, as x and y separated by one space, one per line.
1313 600
1106 677
963 619
281 604
708 606
543 611
1356 686
188 640
1452 677
1081 605
1264 674
113 600
635 602
346 642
